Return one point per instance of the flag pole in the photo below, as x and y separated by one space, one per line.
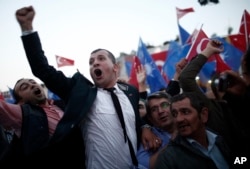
245 28
193 42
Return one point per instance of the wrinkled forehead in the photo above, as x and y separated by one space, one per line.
183 103
24 81
100 53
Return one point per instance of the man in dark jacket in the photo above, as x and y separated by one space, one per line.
228 114
90 104
35 120
195 147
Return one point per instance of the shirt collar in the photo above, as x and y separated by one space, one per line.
211 137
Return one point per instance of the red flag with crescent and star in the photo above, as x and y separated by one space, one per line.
199 44
62 61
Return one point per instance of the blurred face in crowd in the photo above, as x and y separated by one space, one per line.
190 123
159 113
103 68
142 108
29 91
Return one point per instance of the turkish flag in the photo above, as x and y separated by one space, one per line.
238 41
135 64
199 43
245 27
221 66
159 58
62 61
182 12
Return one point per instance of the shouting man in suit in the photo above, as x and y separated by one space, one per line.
89 105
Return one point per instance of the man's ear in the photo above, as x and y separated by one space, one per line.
204 114
116 67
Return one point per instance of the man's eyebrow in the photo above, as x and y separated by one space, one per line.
31 80
22 84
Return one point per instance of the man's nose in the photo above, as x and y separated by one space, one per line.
32 86
95 62
179 117
160 109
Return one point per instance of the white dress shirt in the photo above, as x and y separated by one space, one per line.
105 147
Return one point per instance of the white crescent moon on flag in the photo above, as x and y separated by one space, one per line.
198 48
58 60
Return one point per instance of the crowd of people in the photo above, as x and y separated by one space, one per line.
177 127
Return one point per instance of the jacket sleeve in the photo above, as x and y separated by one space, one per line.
55 80
173 88
187 77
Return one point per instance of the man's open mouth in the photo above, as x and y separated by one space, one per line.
98 72
37 91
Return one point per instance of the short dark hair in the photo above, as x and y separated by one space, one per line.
111 56
15 95
196 102
157 95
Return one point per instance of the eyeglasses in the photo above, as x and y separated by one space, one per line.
163 106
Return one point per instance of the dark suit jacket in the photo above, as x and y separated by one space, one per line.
182 155
223 119
34 145
77 92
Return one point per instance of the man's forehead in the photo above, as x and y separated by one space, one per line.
100 53
183 102
28 80
158 99
22 81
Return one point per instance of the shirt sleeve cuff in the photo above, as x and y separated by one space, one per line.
24 33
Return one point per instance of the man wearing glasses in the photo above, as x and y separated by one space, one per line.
162 124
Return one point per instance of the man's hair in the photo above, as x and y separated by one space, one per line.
196 102
157 95
110 55
15 95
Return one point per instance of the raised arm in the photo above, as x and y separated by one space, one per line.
55 80
25 18
173 86
189 73
141 79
